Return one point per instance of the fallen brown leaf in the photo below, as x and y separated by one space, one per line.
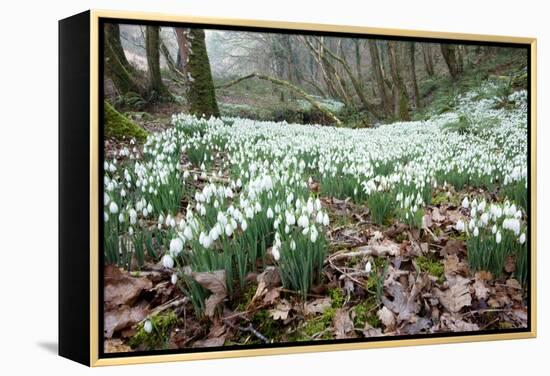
456 296
387 318
215 283
318 306
343 326
122 289
281 311
123 317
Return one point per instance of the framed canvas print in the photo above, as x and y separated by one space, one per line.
237 187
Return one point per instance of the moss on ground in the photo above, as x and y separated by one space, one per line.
158 338
119 126
431 266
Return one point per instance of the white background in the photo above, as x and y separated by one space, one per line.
28 185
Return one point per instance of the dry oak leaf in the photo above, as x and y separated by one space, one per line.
121 288
215 283
267 280
436 215
404 302
453 247
480 289
281 311
452 323
369 331
376 247
115 346
343 326
216 336
387 318
123 317
318 306
456 296
452 265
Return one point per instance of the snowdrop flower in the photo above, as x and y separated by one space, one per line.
148 327
244 224
269 213
105 217
309 206
121 218
494 229
167 261
498 237
113 207
228 230
290 219
174 278
476 231
188 233
326 220
319 217
131 230
176 246
303 221
313 234
133 216
293 245
275 253
465 203
318 204
460 225
368 267
484 219
522 238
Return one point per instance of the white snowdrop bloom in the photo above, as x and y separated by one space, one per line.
481 206
318 205
113 207
484 219
105 217
148 326
290 219
287 229
106 199
368 267
188 233
249 212
465 203
303 221
176 246
244 224
472 224
269 213
319 217
476 231
133 216
257 207
293 245
518 214
167 261
130 230
309 206
203 210
494 229
326 220
275 253
460 225
145 212
305 231
498 237
174 278
160 219
522 238
228 230
121 218
313 234
123 192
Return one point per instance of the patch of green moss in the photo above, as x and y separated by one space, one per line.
246 298
119 126
315 326
365 312
336 297
431 266
457 236
158 338
265 324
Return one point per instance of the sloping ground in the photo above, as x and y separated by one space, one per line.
407 228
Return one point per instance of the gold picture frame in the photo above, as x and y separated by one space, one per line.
94 180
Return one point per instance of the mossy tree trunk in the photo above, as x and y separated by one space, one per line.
379 78
157 90
412 67
400 97
449 54
201 95
117 67
428 59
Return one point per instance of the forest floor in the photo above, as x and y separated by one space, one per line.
389 279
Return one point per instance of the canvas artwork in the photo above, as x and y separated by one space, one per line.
264 187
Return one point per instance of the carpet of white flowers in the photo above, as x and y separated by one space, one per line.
216 201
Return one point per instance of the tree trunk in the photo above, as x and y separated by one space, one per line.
449 54
183 49
201 95
412 67
117 67
401 100
156 87
428 59
358 60
379 78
